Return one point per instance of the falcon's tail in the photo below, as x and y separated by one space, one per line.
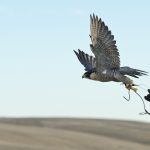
132 72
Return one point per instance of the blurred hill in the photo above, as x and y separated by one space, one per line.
73 134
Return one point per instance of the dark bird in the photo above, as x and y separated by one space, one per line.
148 96
105 66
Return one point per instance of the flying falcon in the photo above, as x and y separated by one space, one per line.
105 66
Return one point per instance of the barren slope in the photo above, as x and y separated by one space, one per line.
73 134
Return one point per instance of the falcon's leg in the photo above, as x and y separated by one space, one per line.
131 87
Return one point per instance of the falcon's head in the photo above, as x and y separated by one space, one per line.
90 75
89 63
87 75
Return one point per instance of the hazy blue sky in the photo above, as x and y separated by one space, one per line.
41 76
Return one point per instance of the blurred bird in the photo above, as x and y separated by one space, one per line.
148 96
105 66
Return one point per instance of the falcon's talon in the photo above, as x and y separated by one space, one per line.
131 87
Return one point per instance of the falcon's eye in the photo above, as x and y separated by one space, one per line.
87 74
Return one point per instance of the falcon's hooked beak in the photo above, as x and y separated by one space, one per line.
83 76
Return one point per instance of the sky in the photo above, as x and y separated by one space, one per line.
40 75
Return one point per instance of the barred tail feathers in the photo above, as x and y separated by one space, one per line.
132 72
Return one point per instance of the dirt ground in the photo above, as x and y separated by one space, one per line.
73 134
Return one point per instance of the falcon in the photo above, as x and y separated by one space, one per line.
105 66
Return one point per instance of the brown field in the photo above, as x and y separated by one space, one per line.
73 134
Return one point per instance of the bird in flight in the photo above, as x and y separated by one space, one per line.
105 66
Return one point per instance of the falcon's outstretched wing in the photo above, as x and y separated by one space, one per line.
103 45
87 61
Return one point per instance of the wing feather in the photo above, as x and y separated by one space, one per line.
103 45
87 61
